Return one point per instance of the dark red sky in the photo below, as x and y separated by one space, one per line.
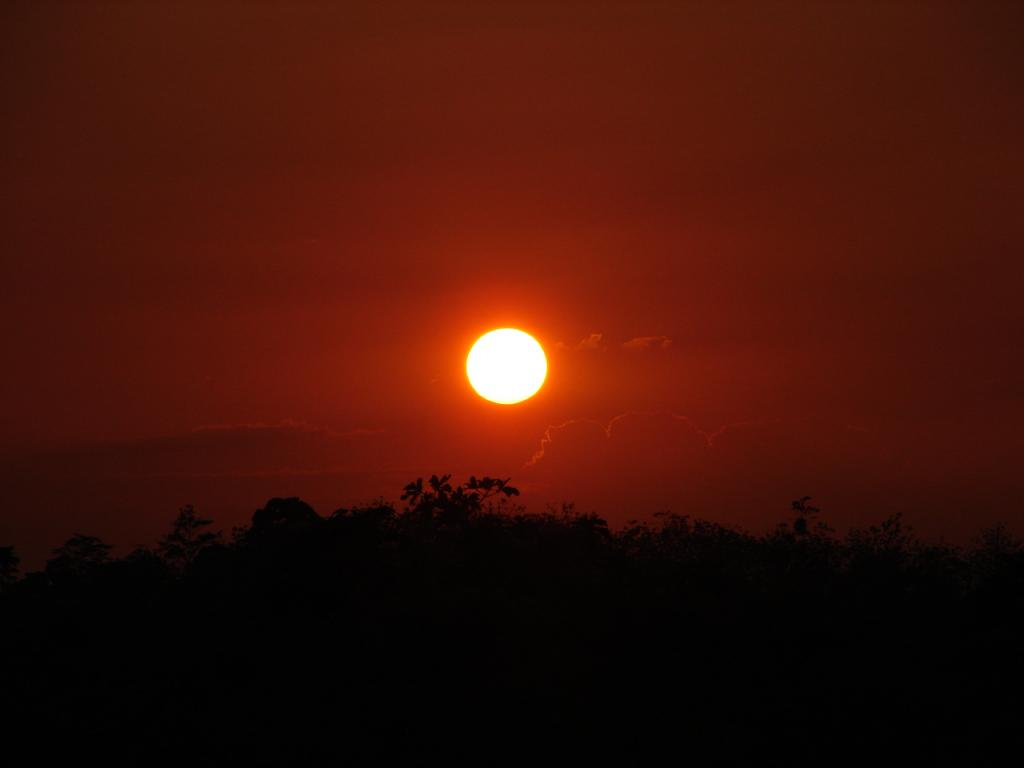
246 246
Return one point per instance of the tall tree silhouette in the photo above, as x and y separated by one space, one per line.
188 537
8 566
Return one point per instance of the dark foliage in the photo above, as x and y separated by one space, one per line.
187 538
8 566
78 559
460 629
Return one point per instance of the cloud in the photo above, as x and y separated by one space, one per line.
707 437
648 342
282 427
590 343
743 472
218 450
595 341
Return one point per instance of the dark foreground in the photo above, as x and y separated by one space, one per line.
455 631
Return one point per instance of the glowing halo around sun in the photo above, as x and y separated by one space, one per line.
506 366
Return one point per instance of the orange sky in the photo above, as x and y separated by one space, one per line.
246 247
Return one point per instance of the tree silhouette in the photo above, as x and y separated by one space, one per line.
8 566
79 556
438 499
290 513
805 519
187 538
525 629
998 541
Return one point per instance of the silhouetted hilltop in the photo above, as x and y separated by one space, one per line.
461 629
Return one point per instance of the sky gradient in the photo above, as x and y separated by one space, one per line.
771 250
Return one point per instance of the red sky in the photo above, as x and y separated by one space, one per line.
246 246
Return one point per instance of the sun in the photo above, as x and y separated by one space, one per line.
506 366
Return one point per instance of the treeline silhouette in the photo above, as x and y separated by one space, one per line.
457 628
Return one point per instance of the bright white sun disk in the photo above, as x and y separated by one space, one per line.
506 366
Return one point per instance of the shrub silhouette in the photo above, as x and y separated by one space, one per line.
461 628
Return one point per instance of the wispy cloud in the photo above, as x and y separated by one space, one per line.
285 425
589 343
607 428
241 449
594 342
648 342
